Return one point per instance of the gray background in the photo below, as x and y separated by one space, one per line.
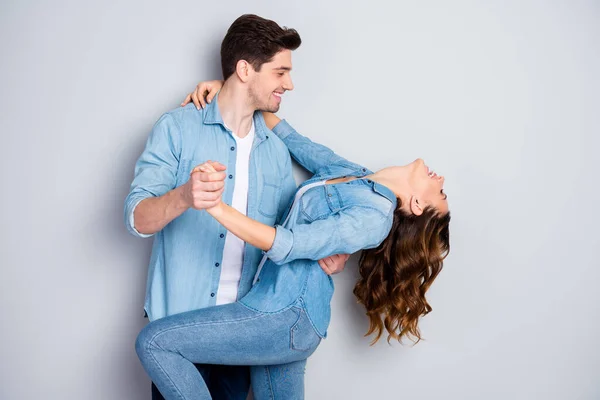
500 97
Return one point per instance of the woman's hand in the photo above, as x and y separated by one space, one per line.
270 119
204 90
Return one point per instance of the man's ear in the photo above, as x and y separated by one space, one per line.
416 206
243 70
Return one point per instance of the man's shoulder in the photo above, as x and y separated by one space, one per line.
187 121
188 113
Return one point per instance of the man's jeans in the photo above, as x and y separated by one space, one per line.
225 382
276 345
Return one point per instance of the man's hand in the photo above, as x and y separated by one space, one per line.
205 187
203 94
334 264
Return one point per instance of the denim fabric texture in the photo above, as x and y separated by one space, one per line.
283 318
186 255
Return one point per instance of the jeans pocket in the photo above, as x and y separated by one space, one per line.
302 334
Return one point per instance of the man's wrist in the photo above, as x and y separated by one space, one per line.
182 202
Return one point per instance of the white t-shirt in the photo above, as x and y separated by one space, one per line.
233 253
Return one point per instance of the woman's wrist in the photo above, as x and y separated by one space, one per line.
217 210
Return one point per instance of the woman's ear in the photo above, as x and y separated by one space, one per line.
415 206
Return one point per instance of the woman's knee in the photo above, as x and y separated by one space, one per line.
145 341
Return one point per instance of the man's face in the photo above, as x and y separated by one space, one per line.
270 83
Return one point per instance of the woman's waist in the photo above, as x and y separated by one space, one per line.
280 287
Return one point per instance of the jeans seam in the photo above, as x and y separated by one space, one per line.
268 373
198 324
173 386
284 309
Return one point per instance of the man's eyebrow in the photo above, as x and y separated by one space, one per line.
283 68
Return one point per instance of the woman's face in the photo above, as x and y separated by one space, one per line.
427 186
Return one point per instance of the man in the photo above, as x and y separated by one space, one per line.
195 262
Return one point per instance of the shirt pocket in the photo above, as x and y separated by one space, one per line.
314 204
270 196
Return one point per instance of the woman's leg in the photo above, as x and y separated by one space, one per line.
231 334
274 382
205 372
286 381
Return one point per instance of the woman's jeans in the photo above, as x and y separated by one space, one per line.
275 344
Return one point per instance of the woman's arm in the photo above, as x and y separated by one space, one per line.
350 230
250 231
346 232
312 156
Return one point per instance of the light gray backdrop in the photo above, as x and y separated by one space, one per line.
500 97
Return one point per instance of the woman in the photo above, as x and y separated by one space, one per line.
398 214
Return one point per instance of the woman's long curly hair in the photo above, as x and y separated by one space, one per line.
395 276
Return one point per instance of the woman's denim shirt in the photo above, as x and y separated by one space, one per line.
330 219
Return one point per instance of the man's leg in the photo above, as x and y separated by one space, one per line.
225 382
229 382
284 381
231 334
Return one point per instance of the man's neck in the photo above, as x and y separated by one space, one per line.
235 108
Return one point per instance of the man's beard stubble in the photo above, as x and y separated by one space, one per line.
258 105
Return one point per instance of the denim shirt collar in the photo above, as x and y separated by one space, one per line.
212 116
378 187
385 192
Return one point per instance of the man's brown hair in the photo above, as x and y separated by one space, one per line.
256 40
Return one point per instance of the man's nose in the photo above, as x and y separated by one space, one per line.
288 84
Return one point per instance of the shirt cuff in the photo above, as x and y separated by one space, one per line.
132 223
283 129
282 245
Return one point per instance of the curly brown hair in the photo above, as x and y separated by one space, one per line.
395 276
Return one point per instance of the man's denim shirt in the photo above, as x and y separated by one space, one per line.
328 219
185 264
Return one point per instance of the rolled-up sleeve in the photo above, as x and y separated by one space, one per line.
282 245
345 232
156 169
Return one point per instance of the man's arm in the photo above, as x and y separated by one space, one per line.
201 191
153 200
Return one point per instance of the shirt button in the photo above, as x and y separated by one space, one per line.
217 264
212 295
221 236
232 148
230 176
329 194
267 136
364 170
368 180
